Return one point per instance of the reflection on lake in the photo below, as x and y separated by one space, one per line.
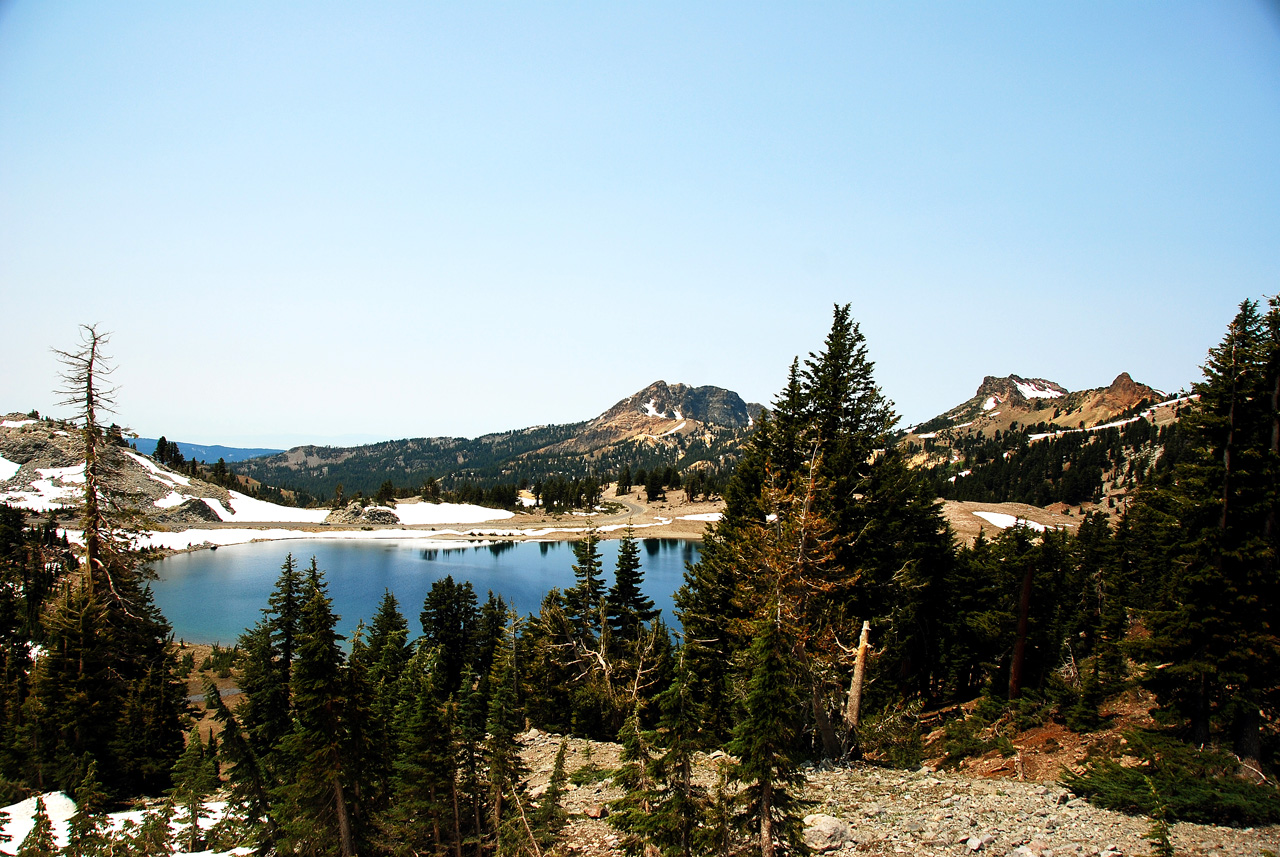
212 596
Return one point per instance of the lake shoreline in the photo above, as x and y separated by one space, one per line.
675 520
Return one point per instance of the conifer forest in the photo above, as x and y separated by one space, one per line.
831 612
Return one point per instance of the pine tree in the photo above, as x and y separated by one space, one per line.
375 689
506 770
154 837
193 781
583 599
86 387
313 809
654 487
629 608
250 780
284 614
89 830
423 810
468 738
1215 624
677 819
450 622
624 481
39 841
103 688
764 739
869 543
630 815
551 817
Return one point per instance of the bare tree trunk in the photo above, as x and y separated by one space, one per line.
766 820
1248 735
830 743
435 818
344 821
1270 528
1020 646
853 709
1200 717
457 820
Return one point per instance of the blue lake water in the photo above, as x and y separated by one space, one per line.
212 596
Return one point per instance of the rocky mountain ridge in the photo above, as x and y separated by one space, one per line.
43 471
662 424
1002 403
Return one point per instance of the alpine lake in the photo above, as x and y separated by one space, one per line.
212 596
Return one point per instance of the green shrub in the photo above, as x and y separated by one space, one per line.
960 740
1177 781
892 737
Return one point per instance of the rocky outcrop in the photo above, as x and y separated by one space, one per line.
714 405
191 512
50 476
1125 393
356 515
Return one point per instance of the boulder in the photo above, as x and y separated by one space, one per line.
826 833
379 515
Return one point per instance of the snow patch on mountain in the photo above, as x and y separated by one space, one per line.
1004 521
246 510
168 501
44 495
159 474
1036 391
8 469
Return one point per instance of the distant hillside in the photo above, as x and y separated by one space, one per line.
1002 403
207 453
662 425
1033 441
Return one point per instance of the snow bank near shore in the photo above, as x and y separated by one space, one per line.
430 514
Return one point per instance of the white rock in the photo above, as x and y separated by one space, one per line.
825 832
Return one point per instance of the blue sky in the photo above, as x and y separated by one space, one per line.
334 221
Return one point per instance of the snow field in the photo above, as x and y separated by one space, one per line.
159 474
60 808
44 495
1035 391
8 469
418 514
1004 521
705 516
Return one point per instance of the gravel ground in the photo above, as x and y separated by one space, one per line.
920 812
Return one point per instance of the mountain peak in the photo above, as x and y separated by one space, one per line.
1017 388
680 402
